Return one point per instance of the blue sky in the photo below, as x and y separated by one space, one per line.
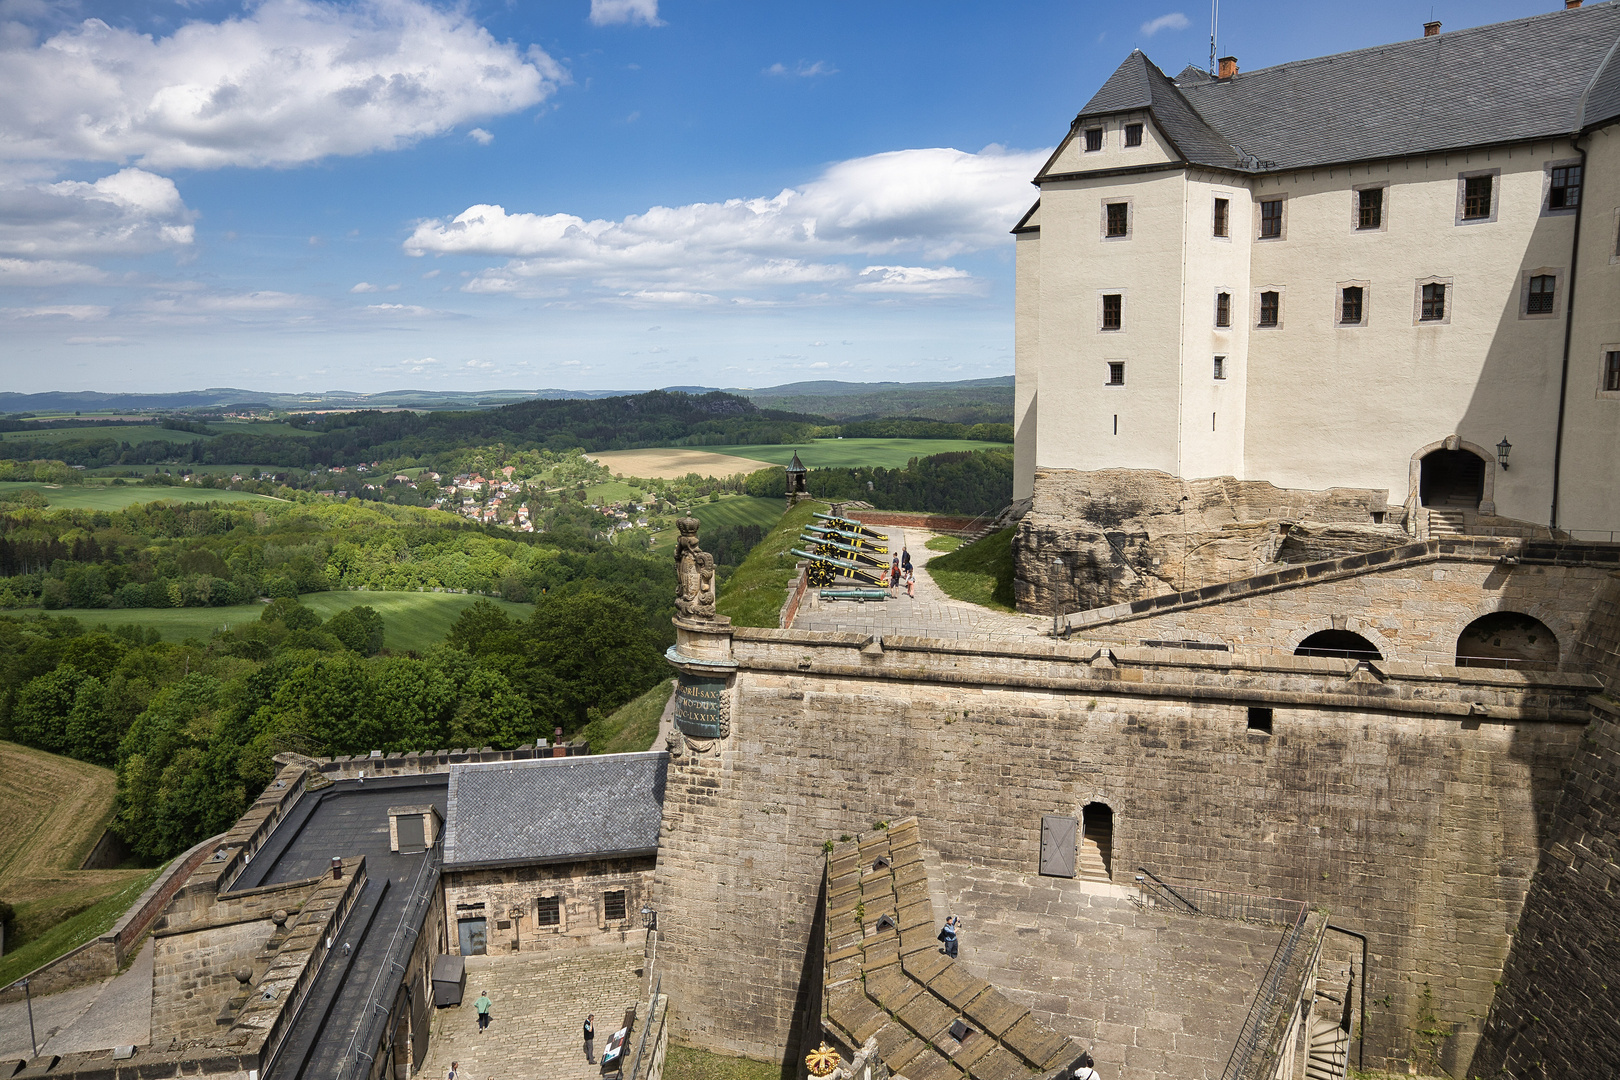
288 195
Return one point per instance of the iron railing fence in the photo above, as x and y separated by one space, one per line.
641 1046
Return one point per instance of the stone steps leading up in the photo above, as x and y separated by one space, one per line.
1091 866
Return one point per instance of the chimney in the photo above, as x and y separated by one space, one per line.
1571 5
1432 29
1228 67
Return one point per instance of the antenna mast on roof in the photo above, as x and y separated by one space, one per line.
1214 15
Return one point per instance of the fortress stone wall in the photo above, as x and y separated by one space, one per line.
1413 809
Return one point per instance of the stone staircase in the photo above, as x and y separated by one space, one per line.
1008 516
1329 1051
1092 866
1446 523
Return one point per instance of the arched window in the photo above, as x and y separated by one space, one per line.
1097 842
1508 639
1342 643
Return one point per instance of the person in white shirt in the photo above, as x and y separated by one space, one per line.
1085 1068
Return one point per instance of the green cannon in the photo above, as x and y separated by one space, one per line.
823 569
825 547
850 525
860 540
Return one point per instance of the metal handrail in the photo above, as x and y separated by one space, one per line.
652 1011
408 921
1265 1001
1167 888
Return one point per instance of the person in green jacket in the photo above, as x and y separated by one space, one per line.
482 1005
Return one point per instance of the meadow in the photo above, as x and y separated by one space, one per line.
411 621
130 433
853 453
675 462
56 810
740 510
107 497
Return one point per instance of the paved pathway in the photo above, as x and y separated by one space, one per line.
540 1001
120 1016
51 1014
930 614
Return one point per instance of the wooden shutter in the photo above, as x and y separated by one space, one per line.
1057 845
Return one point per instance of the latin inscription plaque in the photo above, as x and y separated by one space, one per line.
700 708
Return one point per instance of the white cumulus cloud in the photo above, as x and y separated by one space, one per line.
291 81
1175 20
609 12
803 69
131 212
480 136
936 203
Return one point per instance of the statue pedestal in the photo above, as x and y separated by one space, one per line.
702 656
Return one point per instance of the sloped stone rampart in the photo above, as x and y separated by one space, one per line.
1408 806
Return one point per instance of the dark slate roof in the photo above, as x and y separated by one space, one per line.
554 809
1546 76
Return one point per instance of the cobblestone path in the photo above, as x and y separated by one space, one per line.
540 1001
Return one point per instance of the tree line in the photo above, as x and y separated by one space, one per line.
963 482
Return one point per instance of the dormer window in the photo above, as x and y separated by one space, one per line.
1093 139
1133 137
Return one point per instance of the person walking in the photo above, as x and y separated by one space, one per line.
590 1039
482 1005
455 1070
1085 1068
894 576
948 935
911 585
905 559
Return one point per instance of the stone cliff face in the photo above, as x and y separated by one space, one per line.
1115 535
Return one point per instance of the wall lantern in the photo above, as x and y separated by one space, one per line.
649 917
1503 449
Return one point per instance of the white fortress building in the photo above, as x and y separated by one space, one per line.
1395 269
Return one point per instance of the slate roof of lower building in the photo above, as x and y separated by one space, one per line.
554 809
1546 76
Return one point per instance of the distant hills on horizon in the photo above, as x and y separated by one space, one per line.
966 401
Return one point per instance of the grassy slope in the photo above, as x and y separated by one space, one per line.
740 510
827 453
84 925
130 433
55 811
753 595
101 497
686 1063
633 727
980 574
410 620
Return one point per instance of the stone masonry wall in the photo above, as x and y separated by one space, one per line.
1419 828
1555 1012
1412 613
579 885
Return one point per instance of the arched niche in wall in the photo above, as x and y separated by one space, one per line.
1097 839
1508 639
1341 643
1454 474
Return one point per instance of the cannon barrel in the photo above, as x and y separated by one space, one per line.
851 525
856 554
856 539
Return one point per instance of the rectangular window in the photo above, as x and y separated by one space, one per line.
1118 219
1370 208
1540 301
1434 303
1220 367
613 906
1133 134
549 912
1116 377
1093 139
1476 197
1223 217
1268 308
1565 193
1611 371
1260 719
1113 311
1350 310
1271 218
1223 309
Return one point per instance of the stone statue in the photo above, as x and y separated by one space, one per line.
694 573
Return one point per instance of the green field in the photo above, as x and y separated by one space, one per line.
634 727
105 497
411 621
846 453
266 428
753 595
130 433
740 510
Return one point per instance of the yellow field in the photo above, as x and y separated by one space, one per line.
55 811
675 463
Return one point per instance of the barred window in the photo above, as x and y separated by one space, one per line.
1271 218
1133 134
1223 309
1268 308
613 905
1540 301
1434 302
1113 311
1350 308
1220 367
1370 208
1565 192
1093 139
549 912
1477 197
1223 217
1116 377
1118 219
1611 371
